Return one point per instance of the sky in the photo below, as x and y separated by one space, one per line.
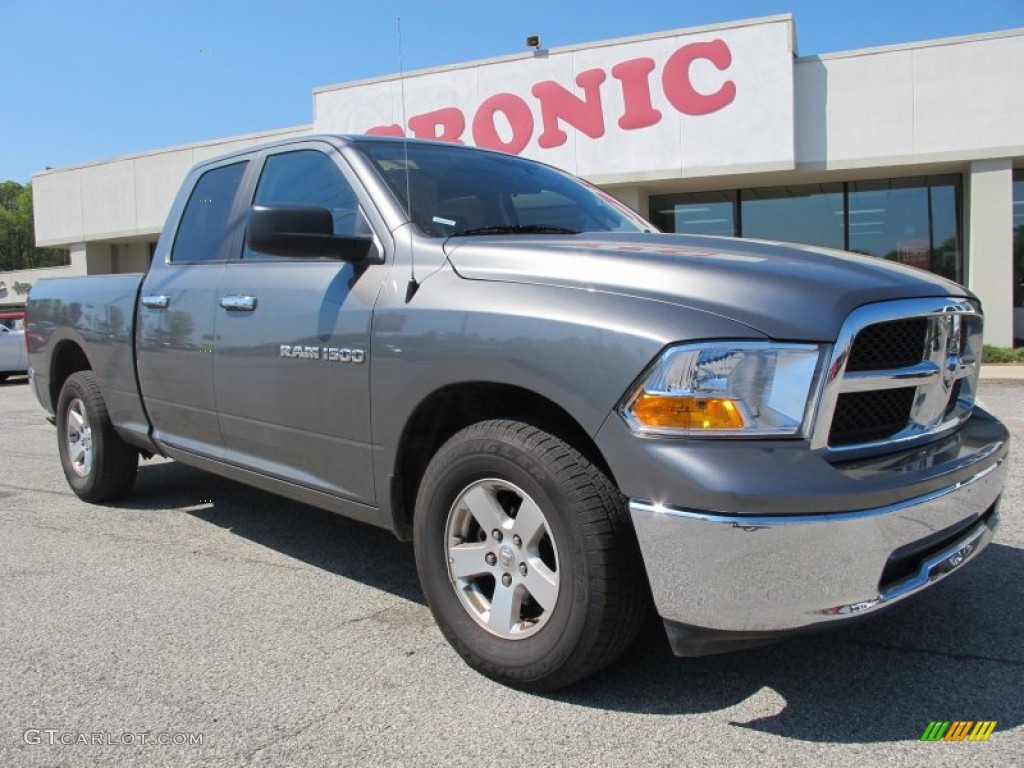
83 81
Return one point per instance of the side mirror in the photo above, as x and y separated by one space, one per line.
302 231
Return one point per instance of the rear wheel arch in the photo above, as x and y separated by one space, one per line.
98 464
67 358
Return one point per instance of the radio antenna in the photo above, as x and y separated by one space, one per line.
412 286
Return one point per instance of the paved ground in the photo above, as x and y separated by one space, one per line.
286 636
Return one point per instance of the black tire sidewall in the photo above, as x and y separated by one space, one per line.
76 387
72 390
455 467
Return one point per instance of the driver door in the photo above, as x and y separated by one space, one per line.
293 341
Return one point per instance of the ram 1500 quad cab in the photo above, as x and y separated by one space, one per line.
569 413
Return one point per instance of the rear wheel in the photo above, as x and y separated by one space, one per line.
526 556
98 464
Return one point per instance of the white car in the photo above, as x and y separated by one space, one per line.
13 355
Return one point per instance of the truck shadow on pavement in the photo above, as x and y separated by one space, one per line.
954 653
372 556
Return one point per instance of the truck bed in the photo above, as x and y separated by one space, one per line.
96 314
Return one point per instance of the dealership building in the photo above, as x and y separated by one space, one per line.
911 152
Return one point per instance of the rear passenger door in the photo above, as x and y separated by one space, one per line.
177 307
293 335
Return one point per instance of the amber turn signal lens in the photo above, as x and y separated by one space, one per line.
693 413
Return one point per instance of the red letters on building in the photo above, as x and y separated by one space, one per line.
385 130
442 124
679 90
560 105
636 94
557 103
519 117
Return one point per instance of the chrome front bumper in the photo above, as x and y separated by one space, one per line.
746 575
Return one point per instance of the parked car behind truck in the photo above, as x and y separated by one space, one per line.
568 412
13 354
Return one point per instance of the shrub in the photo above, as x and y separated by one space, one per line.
991 354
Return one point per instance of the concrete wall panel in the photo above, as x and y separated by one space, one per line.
157 179
57 200
869 111
970 97
108 197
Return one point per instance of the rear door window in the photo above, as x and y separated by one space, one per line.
204 232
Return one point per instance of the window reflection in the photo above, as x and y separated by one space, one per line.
913 221
811 214
697 213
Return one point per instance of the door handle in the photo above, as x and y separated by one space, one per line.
156 301
237 303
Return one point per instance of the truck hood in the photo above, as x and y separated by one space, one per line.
788 292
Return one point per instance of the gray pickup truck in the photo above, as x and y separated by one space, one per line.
570 414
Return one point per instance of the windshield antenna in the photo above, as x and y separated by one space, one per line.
412 286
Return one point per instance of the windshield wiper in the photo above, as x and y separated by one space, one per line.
517 229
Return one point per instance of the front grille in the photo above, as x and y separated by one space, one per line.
896 344
954 396
901 372
865 417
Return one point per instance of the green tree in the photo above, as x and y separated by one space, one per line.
17 232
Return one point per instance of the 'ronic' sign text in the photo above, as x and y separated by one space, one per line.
558 105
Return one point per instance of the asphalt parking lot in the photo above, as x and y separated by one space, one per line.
282 635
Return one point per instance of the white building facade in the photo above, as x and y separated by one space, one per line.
910 153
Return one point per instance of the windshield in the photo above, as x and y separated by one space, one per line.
458 192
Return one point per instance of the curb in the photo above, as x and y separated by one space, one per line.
1002 372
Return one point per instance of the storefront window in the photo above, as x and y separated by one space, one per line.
1018 238
914 221
699 213
810 213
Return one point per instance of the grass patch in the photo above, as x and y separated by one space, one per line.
991 354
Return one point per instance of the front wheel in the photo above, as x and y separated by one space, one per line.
527 557
98 464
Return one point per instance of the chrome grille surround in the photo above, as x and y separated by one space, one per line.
945 378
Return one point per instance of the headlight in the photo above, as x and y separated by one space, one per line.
740 389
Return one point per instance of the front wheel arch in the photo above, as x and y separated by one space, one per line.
447 410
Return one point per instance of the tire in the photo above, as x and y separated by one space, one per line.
98 464
562 592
